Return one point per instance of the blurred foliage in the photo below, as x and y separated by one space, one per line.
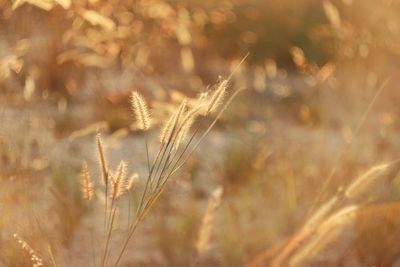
68 204
73 43
312 70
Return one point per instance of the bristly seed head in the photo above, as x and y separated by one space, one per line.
131 182
102 159
171 126
217 97
207 223
186 124
86 182
118 181
36 260
141 111
202 100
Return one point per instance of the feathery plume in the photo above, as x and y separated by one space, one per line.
170 127
102 159
187 122
35 259
131 182
202 100
202 97
207 223
86 182
118 181
141 111
217 97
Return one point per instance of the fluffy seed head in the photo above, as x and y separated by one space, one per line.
86 182
118 181
102 159
171 126
217 97
131 182
202 100
35 259
186 123
207 223
141 111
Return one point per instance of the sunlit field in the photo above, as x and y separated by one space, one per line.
206 133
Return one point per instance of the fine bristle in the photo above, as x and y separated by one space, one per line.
170 127
217 97
86 182
141 111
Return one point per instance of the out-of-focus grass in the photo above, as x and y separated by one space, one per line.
314 67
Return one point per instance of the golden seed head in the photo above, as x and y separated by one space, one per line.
217 97
207 223
141 111
186 124
131 182
35 259
171 126
118 181
86 182
102 159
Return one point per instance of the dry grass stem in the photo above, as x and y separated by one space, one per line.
326 233
366 181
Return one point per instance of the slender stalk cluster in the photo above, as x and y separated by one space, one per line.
173 152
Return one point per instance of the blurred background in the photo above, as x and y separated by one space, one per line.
321 94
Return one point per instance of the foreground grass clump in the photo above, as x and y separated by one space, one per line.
177 142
